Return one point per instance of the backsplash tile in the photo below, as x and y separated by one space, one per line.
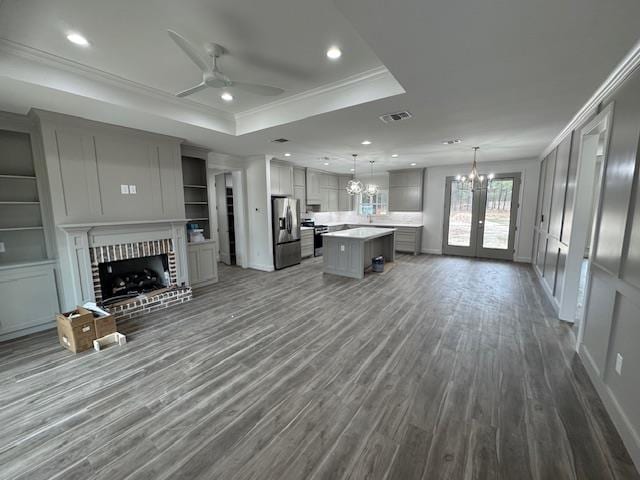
352 217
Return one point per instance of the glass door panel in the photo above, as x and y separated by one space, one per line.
497 214
460 215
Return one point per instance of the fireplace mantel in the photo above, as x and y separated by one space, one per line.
81 237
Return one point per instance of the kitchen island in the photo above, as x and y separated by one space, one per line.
349 252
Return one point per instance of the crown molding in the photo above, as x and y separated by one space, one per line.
360 88
620 73
33 54
367 75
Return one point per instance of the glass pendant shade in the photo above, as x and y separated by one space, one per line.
371 189
354 186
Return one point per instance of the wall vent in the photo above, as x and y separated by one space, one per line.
395 117
279 140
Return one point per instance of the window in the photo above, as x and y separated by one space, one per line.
376 205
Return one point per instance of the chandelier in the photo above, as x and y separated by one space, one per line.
371 189
354 186
474 181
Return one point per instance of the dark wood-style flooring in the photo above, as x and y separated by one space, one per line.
442 368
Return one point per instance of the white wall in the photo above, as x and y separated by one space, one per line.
259 213
433 207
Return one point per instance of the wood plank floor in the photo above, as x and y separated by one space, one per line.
442 368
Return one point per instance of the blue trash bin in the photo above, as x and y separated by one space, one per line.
377 264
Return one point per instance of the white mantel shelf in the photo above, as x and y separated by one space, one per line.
75 226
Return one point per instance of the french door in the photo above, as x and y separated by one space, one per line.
481 223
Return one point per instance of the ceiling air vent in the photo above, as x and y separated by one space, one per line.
279 140
395 117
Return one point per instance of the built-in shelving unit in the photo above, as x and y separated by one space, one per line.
196 195
21 228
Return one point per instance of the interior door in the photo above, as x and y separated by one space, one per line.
481 223
223 223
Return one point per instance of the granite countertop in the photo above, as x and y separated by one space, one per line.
361 233
306 228
375 224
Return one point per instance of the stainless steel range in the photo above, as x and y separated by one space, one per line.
318 230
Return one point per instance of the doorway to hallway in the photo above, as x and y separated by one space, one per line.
481 222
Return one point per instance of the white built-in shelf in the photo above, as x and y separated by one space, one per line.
195 186
30 177
19 229
19 203
195 203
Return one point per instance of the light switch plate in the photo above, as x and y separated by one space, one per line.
2 249
619 364
342 248
124 189
132 189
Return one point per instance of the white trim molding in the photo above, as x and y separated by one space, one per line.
619 74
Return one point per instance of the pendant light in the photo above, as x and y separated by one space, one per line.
354 186
474 181
371 189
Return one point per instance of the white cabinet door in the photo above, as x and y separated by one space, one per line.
298 194
333 200
286 180
324 199
203 268
275 179
313 186
299 177
332 181
345 201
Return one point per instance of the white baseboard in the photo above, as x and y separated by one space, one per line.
48 325
523 259
432 251
547 291
622 423
261 267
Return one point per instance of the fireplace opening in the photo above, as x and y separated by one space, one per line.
122 279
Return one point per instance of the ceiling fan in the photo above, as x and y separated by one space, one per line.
212 76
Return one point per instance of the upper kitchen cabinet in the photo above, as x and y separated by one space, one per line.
313 186
345 201
299 188
405 190
281 178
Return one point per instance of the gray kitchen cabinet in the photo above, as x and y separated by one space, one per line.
299 177
345 201
405 190
331 181
281 179
409 239
299 194
313 186
203 267
333 200
306 242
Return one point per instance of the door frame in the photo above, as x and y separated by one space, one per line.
582 215
478 212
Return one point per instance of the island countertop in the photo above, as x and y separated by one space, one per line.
361 233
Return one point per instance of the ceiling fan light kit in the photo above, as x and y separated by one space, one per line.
212 76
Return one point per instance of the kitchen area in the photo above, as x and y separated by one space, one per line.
313 213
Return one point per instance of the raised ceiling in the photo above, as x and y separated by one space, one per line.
503 75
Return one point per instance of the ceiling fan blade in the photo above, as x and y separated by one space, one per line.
191 90
264 90
190 50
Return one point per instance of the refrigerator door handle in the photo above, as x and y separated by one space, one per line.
289 220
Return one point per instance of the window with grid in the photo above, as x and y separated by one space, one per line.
376 205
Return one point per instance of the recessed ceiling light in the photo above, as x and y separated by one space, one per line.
287 154
334 53
366 142
226 96
78 39
326 163
394 155
413 164
352 169
452 141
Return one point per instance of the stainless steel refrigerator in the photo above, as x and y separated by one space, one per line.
286 231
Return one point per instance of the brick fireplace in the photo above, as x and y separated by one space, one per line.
96 245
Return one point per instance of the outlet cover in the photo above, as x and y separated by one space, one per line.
619 364
124 189
132 189
2 249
